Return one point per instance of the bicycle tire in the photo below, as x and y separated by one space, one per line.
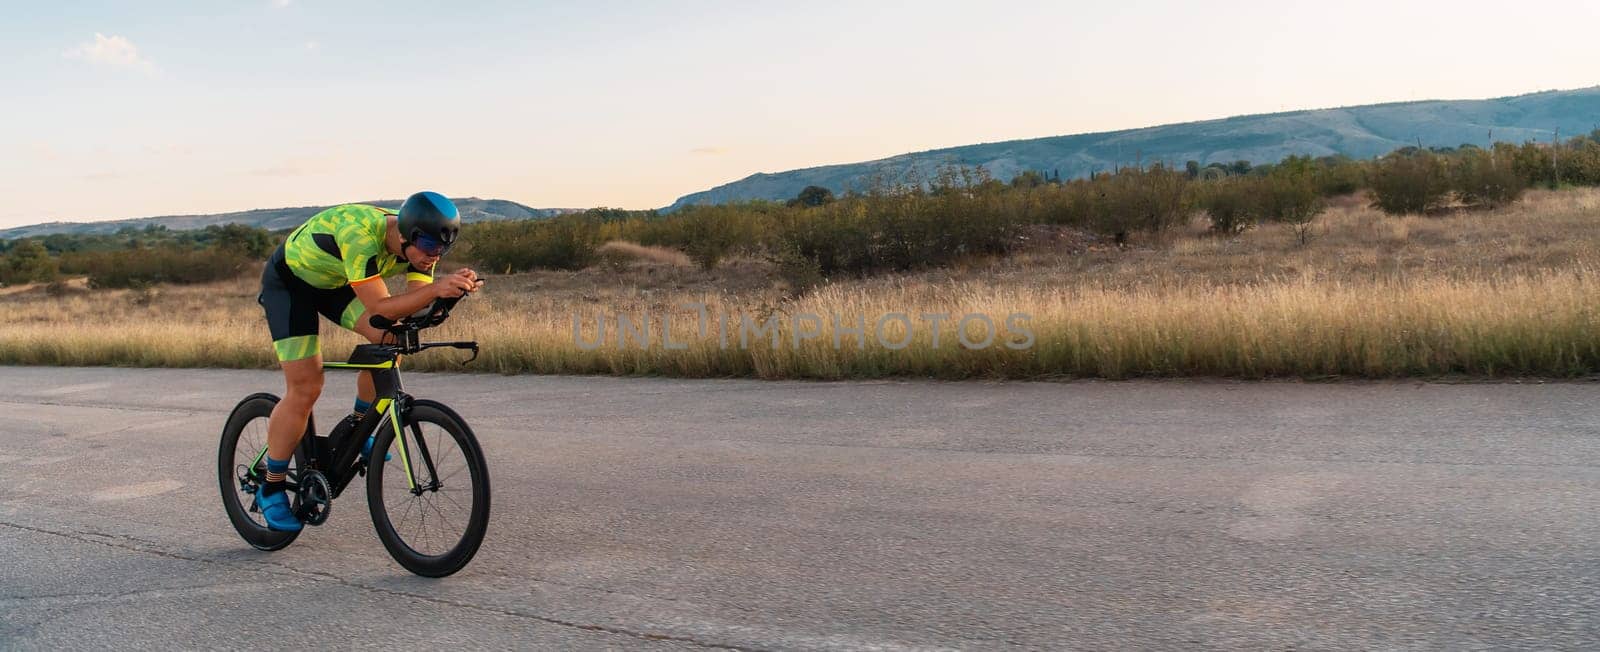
252 408
457 555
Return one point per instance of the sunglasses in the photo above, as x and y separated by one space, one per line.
429 246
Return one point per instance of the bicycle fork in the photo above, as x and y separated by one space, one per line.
394 411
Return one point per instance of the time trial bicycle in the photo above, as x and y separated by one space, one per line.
427 482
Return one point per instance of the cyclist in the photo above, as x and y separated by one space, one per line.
334 265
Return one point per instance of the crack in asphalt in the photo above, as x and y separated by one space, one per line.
112 540
113 406
104 595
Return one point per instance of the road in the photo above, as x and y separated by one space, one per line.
729 514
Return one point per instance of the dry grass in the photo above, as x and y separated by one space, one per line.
622 250
1504 293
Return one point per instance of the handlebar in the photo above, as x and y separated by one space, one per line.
431 315
405 329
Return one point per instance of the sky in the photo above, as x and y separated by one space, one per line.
127 109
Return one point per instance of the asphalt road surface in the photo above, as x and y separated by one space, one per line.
678 514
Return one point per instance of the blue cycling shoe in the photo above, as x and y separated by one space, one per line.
275 508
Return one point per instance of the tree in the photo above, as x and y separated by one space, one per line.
28 262
1028 179
239 239
814 196
1293 200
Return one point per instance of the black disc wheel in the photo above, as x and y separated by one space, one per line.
429 499
242 468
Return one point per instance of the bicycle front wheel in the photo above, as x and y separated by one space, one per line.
429 500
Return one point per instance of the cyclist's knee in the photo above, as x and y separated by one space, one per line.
366 330
306 390
303 379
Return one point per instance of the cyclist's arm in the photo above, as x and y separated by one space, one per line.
374 295
418 278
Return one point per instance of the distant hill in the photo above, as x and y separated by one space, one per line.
1358 132
473 209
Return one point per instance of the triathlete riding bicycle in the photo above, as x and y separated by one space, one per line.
334 265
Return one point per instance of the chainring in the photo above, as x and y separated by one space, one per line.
314 499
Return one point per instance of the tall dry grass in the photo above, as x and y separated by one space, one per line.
1504 293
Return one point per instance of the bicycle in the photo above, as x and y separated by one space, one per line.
412 486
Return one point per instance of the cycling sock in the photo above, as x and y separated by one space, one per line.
361 407
276 470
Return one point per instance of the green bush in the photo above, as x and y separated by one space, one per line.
1480 179
706 233
1292 199
1139 200
27 261
1414 183
1339 175
1233 204
900 230
132 268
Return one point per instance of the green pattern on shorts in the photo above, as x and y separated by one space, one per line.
297 348
352 312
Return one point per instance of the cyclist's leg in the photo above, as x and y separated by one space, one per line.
303 379
292 320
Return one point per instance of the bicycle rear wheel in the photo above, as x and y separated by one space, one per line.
241 469
434 528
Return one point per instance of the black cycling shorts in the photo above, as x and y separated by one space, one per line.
292 307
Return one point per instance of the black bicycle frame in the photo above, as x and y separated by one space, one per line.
338 459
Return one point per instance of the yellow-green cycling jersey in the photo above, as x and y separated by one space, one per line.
314 271
344 245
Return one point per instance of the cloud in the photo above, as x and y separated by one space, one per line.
114 51
709 151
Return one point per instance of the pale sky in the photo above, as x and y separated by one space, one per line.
129 109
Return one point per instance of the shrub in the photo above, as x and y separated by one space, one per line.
1339 175
709 233
1412 183
1293 201
27 262
141 267
566 242
1140 200
1482 180
901 229
1233 204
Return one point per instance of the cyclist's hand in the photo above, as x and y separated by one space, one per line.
466 272
453 285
